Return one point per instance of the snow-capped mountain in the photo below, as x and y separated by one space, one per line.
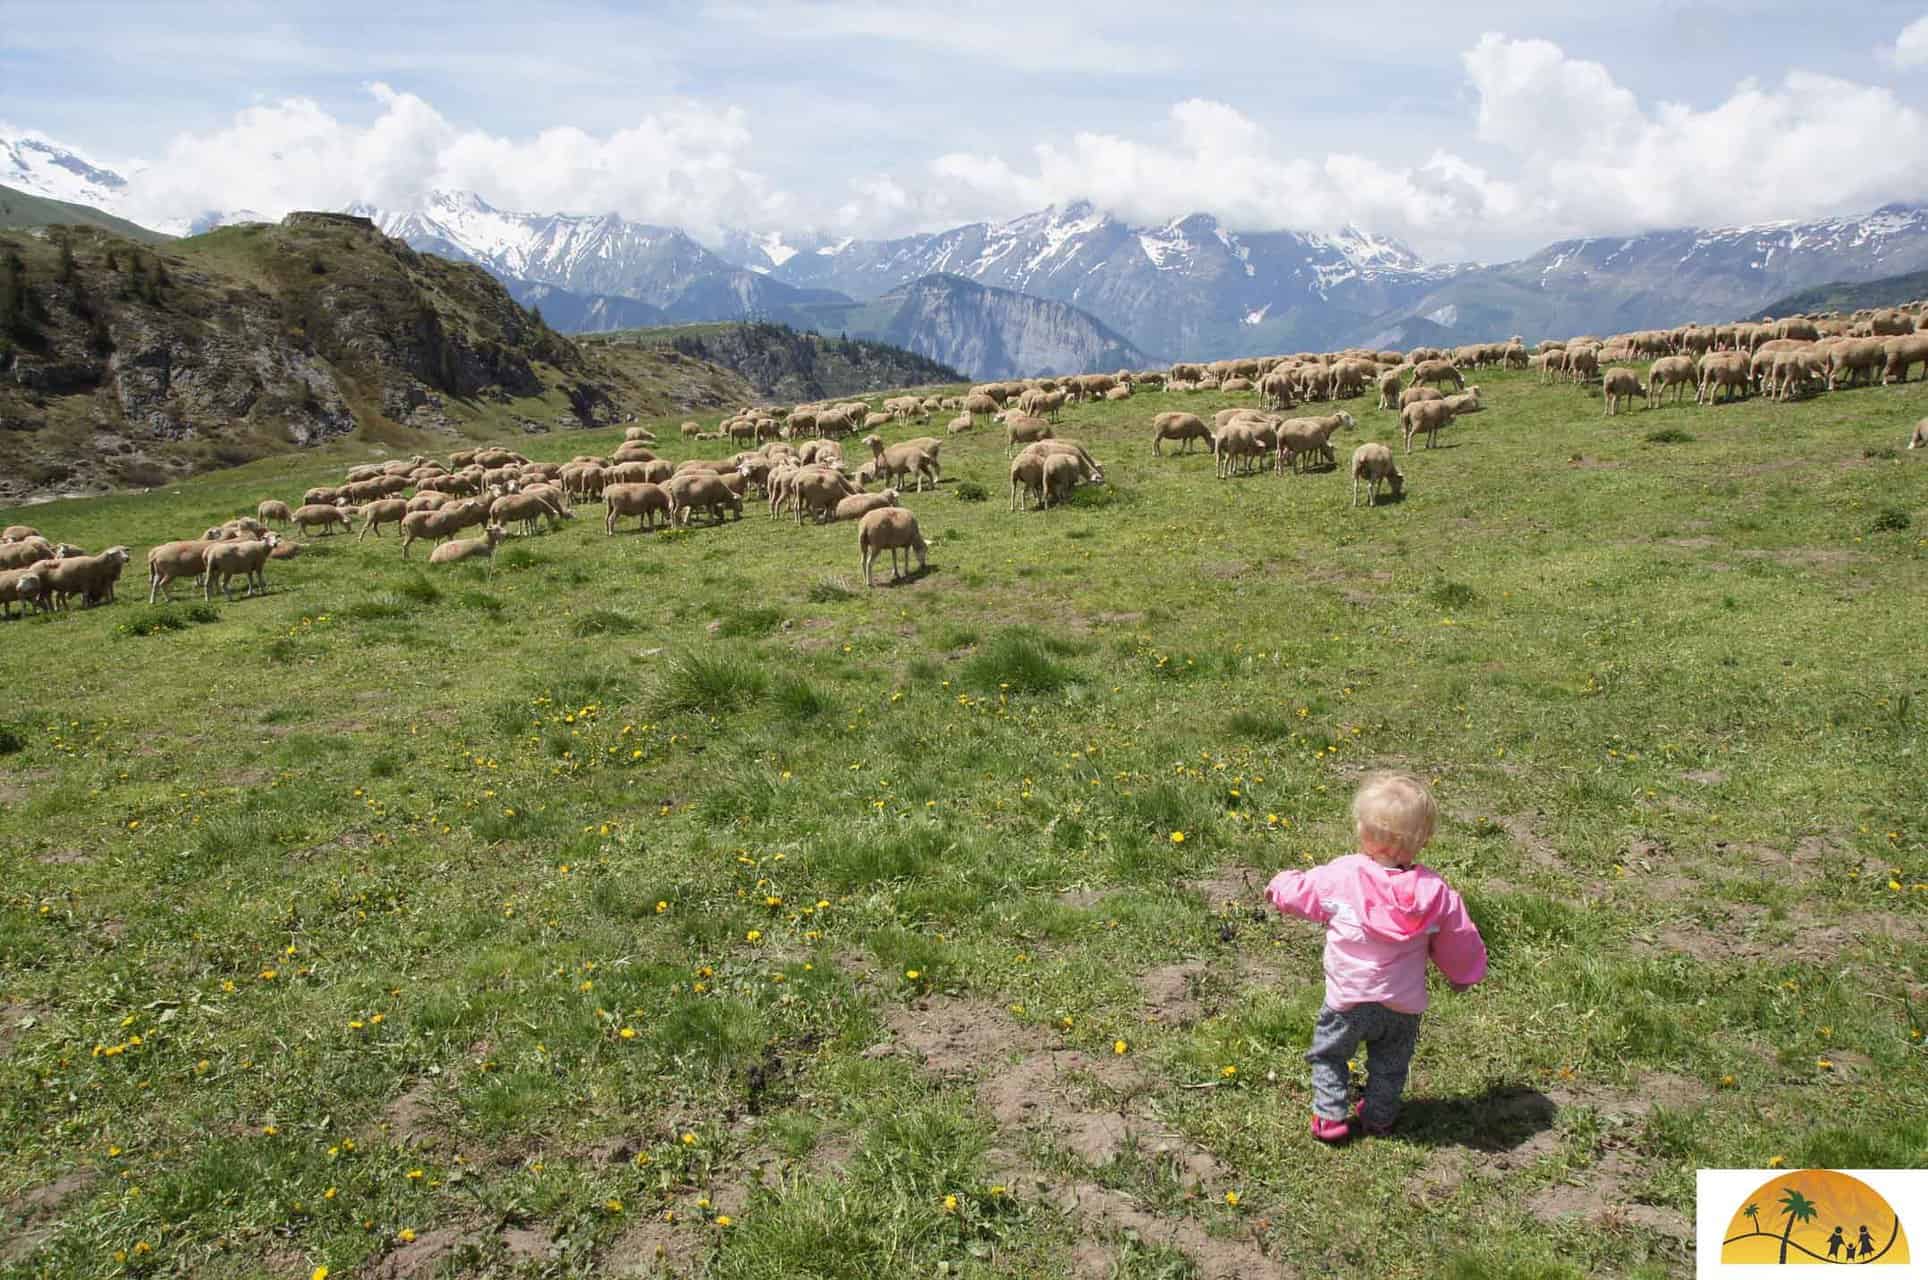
1189 285
583 253
1609 284
40 166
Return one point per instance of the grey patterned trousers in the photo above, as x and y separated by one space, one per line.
1389 1036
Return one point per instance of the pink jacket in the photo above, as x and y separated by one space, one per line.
1382 923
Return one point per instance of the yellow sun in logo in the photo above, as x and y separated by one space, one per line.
1814 1216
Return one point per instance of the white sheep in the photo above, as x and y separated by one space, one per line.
644 500
466 548
90 577
859 505
1374 463
225 559
893 529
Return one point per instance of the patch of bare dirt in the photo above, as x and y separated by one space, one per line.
1600 1195
30 1218
1171 992
1213 1257
11 792
657 1247
16 1020
952 1035
409 1121
1225 569
1706 777
527 1244
1082 899
64 858
422 1256
244 777
1691 544
1538 849
1230 888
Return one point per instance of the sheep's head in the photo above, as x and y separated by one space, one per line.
116 555
888 497
1919 439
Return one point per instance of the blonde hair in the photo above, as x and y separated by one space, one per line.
1394 810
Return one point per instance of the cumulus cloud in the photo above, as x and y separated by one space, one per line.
687 164
1911 46
1569 151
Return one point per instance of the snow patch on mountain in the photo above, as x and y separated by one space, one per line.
36 164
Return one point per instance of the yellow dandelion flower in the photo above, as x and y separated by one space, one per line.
913 974
329 1194
319 1273
1120 1048
1777 1162
950 1204
723 1220
415 1175
270 1130
754 935
689 1139
406 1235
1231 1198
1178 837
613 1205
661 907
627 1033
1228 1071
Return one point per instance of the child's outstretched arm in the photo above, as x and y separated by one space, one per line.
1295 893
1457 948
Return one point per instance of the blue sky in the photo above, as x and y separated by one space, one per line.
1489 132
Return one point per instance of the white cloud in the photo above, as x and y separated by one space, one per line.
1569 152
1911 46
687 164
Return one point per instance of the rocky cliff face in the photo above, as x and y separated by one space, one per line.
123 364
991 333
783 364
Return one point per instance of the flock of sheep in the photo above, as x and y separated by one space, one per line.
795 459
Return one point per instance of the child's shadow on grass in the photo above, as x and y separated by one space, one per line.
1500 1119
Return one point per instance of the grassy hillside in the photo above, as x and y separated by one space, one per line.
19 209
128 366
784 364
673 900
1847 295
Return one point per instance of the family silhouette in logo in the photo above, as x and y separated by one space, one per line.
1800 1210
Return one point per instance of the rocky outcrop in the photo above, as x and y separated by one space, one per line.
992 333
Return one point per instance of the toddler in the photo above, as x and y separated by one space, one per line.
1385 916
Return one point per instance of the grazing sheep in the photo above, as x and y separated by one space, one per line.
1722 374
18 533
1669 371
1428 417
173 560
30 550
640 435
1374 463
1918 439
899 460
1466 401
458 549
1389 389
859 505
1794 371
529 510
225 559
893 529
428 500
1022 429
377 514
322 515
275 510
1903 354
1860 358
1183 427
817 490
1239 445
1413 395
90 577
23 586
1620 386
1301 439
641 500
703 490
1029 467
1437 371
442 523
961 423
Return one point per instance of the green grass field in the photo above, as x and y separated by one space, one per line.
672 903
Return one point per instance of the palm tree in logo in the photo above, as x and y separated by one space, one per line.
1753 1215
1798 1208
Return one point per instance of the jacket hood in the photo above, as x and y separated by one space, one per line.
1399 903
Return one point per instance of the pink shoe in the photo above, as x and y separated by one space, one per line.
1333 1131
1371 1130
